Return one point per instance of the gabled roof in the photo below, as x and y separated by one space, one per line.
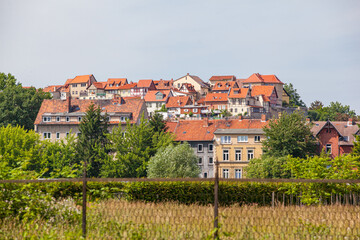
216 97
222 78
238 93
262 90
221 86
81 79
128 86
203 130
188 86
152 95
342 127
52 88
146 83
178 101
164 84
258 78
99 85
57 106
197 79
115 83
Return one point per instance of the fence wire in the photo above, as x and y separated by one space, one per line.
180 209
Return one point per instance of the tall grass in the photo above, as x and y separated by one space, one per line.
120 219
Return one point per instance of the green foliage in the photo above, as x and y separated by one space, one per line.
295 100
289 135
174 162
157 122
92 145
334 112
356 148
133 147
226 113
162 109
267 167
18 105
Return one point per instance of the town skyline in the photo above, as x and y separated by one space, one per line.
313 46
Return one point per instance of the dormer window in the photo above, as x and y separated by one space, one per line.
58 119
68 119
46 119
110 85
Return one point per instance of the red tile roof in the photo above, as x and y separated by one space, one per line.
81 79
133 106
52 88
222 78
144 83
216 97
151 95
258 78
128 86
178 101
238 93
221 86
203 130
115 83
99 85
262 90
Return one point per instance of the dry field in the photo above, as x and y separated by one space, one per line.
119 219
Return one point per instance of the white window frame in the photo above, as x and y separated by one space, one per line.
225 139
212 147
225 173
328 148
243 138
200 160
46 119
200 148
238 154
57 135
205 175
250 154
67 119
212 160
58 118
47 135
238 173
225 154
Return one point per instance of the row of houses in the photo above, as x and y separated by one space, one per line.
186 96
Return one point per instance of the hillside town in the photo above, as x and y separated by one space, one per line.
222 118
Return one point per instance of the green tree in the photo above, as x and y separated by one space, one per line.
18 105
316 105
356 148
268 167
157 122
133 146
93 144
289 135
295 100
334 112
174 162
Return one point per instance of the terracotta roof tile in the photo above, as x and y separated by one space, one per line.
128 86
222 78
178 101
151 95
258 78
262 90
99 85
52 88
81 79
216 97
115 83
144 83
221 86
238 93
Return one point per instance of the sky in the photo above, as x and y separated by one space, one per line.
315 45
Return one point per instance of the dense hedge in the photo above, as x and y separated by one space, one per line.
203 192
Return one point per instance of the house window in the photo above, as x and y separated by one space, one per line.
74 85
200 160
257 138
195 110
237 155
67 134
237 173
242 138
122 119
250 154
226 155
76 92
200 148
79 118
47 135
205 175
83 84
225 139
225 173
58 119
186 110
211 160
236 110
211 147
57 135
328 148
47 119
68 119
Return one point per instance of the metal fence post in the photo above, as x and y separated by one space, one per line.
216 200
84 202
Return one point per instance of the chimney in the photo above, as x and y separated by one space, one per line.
206 122
350 122
263 117
68 103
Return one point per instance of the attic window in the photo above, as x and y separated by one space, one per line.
110 85
184 132
117 85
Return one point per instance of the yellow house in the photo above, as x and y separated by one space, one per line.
236 144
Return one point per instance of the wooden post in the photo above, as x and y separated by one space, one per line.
273 199
84 201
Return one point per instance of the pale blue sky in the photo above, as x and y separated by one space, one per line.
312 44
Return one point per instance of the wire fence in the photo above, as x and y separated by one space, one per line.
185 209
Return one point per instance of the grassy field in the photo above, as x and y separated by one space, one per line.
119 219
